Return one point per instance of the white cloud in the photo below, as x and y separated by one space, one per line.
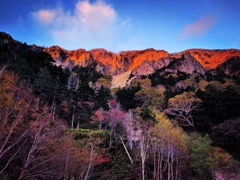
90 25
197 28
95 15
45 16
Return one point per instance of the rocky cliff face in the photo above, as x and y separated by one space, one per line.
210 59
136 62
132 64
143 62
230 68
186 63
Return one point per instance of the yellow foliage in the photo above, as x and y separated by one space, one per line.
217 85
152 97
202 84
105 81
145 83
230 82
165 131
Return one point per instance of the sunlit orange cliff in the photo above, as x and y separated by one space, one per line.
141 61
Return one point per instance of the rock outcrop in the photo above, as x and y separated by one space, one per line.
186 64
230 68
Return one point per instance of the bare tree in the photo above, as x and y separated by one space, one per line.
143 142
7 145
114 117
92 145
36 155
16 102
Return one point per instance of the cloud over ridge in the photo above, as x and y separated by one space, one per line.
90 23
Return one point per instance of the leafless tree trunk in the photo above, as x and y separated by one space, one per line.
12 157
92 145
131 133
5 147
154 161
53 109
11 118
2 69
36 159
160 168
177 168
144 144
168 161
129 128
77 84
73 116
32 152
65 176
129 156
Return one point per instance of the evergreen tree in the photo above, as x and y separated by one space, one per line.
103 95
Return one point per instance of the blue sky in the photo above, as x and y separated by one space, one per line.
117 25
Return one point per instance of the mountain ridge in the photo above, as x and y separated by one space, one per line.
138 62
208 58
144 62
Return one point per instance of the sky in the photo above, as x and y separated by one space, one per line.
119 25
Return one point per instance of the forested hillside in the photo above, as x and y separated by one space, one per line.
173 118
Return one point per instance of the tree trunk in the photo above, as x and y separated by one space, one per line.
168 163
160 166
2 70
66 165
78 125
90 162
154 162
73 116
143 169
53 110
177 168
126 151
72 120
110 138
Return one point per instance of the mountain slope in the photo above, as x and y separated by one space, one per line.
128 63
